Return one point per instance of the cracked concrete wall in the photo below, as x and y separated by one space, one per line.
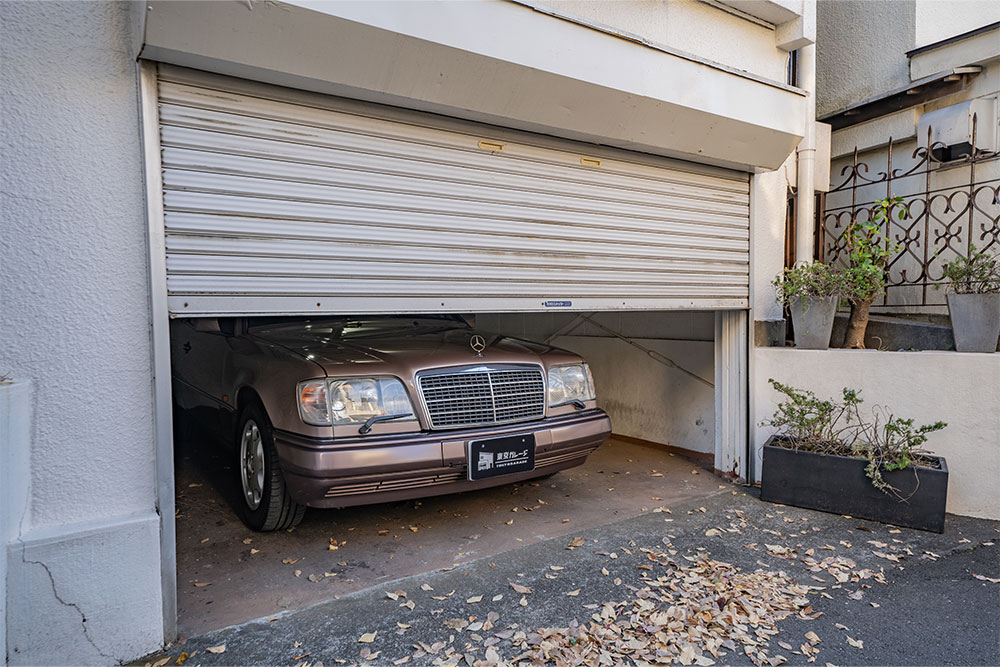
74 289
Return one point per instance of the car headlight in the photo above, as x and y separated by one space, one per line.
572 382
336 402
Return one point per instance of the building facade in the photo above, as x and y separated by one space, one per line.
170 159
923 76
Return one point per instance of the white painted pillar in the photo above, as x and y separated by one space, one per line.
805 218
15 478
731 392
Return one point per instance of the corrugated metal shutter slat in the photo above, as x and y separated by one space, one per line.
284 202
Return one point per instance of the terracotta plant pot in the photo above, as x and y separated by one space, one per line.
975 321
838 484
812 320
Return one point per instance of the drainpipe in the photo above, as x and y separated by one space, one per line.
805 218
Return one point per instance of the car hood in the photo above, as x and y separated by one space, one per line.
404 354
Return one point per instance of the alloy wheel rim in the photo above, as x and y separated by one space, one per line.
252 464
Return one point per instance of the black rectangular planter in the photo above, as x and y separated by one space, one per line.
838 484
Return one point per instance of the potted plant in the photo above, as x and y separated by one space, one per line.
826 455
811 292
974 301
869 252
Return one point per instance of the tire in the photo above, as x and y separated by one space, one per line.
264 501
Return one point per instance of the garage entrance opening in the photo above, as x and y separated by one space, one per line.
655 375
271 202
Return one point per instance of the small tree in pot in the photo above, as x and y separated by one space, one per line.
974 301
870 251
811 292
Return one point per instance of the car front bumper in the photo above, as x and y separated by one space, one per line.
359 471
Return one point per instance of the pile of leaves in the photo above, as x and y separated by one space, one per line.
688 614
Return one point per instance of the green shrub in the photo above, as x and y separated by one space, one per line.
815 280
806 422
978 273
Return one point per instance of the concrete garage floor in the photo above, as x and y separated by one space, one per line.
228 574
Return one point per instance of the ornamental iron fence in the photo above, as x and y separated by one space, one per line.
946 213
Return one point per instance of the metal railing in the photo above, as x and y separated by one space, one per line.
945 213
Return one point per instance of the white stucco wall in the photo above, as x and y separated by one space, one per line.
84 569
958 388
648 400
768 201
860 50
681 24
940 19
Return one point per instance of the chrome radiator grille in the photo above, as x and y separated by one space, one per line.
482 396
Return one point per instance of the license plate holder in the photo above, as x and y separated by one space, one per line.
493 457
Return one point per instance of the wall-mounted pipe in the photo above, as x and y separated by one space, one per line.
805 219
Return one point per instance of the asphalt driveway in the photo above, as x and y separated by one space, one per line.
784 586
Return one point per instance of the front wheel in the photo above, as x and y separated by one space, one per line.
265 504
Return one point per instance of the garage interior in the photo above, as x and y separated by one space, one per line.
282 202
653 373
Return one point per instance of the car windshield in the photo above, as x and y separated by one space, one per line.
370 326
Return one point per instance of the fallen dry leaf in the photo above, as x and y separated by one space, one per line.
475 599
575 542
426 587
518 588
221 648
573 594
856 643
984 578
202 584
368 637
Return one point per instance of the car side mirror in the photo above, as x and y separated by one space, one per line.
207 325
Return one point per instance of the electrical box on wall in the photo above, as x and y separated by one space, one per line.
953 127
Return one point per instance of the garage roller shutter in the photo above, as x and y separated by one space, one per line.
280 201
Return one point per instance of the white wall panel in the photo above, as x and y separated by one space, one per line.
280 201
